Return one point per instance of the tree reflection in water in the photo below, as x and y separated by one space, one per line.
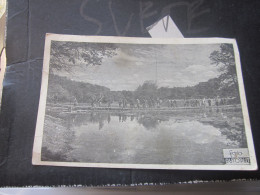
163 130
149 121
232 127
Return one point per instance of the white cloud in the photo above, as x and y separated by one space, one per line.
170 65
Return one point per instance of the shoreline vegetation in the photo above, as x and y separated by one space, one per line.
84 108
68 94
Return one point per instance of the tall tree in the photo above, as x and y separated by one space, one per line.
224 59
65 55
147 90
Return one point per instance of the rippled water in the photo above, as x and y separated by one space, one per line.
176 137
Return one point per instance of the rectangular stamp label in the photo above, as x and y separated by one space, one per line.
239 156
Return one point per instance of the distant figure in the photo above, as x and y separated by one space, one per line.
186 103
143 103
131 104
75 102
190 103
99 101
92 103
124 103
100 124
175 103
92 117
197 103
149 103
169 103
158 103
222 101
108 118
146 103
138 103
200 102
109 104
204 102
209 102
217 101
223 115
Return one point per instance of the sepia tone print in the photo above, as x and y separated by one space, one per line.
119 103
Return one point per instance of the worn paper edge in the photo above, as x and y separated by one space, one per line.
36 160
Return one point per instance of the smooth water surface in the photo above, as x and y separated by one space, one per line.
144 137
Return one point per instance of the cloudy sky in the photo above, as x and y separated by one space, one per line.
168 65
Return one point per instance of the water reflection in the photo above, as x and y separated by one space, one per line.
147 120
152 120
146 137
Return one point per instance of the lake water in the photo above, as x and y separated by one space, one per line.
144 137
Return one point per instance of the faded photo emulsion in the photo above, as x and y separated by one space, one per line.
143 103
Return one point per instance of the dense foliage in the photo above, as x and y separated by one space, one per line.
66 55
64 90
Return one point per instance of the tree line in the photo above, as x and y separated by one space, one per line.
62 89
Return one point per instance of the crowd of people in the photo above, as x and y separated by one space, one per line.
149 103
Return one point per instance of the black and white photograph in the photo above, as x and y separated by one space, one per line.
143 103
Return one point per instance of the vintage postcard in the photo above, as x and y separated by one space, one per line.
143 103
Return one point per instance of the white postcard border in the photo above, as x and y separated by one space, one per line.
36 158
